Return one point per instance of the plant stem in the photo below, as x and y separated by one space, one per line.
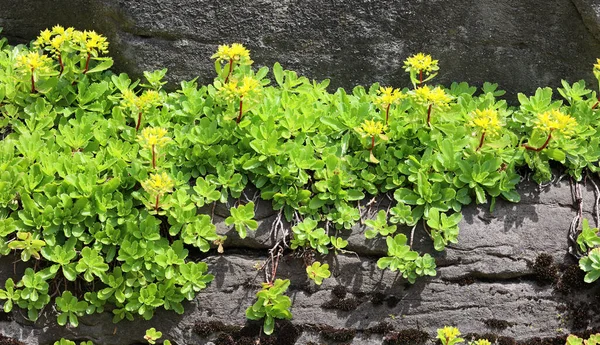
62 65
372 143
531 148
420 77
156 202
387 113
87 63
32 80
429 115
481 141
596 104
239 118
230 70
153 157
139 121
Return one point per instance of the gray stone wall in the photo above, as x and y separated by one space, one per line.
520 44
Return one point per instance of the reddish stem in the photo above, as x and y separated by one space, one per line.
429 115
156 202
420 77
596 104
139 122
372 143
153 157
531 148
62 65
230 69
387 113
87 63
32 81
481 141
239 118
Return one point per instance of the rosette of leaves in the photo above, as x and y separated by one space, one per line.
271 304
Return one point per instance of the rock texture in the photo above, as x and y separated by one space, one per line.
510 277
520 44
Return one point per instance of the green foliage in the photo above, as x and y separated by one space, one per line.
90 191
318 272
594 339
243 218
589 244
271 304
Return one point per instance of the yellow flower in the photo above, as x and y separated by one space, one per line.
235 52
481 342
388 96
153 136
435 96
421 62
57 29
233 89
33 61
43 39
129 99
555 120
486 120
450 332
149 98
158 184
91 43
371 128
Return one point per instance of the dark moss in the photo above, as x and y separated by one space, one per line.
409 336
380 328
571 279
6 317
337 334
346 304
339 291
506 341
285 333
392 301
206 328
544 270
377 298
497 324
4 340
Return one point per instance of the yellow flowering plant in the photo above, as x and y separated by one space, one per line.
431 97
419 64
231 55
372 129
386 97
153 138
157 185
552 121
486 122
33 64
449 335
241 90
149 99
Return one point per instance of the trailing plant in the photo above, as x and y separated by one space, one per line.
109 185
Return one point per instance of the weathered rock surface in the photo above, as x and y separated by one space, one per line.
510 275
520 44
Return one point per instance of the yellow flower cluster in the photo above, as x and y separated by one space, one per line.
371 128
486 120
33 61
482 342
450 332
60 39
158 184
388 95
421 62
235 89
435 96
153 136
235 52
556 120
597 66
148 99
